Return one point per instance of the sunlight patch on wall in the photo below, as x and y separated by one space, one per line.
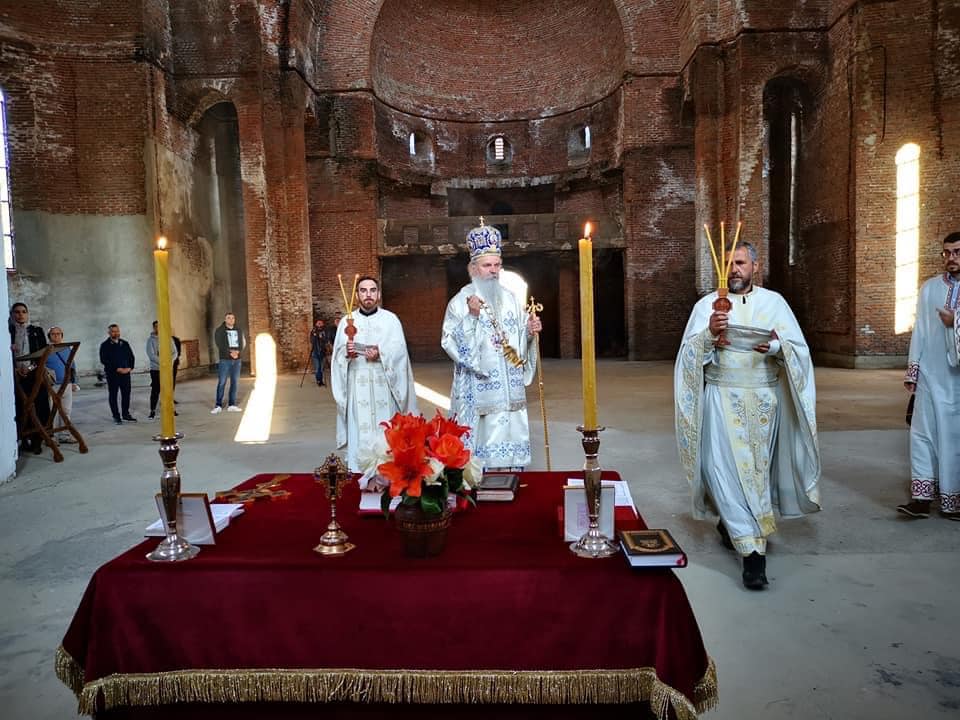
908 237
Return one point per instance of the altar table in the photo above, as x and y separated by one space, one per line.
507 617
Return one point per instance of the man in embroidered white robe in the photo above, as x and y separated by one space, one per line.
371 378
933 374
746 421
489 390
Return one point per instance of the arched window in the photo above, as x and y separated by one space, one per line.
908 237
784 101
6 205
420 148
499 150
579 141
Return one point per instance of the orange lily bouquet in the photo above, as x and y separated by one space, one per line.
425 461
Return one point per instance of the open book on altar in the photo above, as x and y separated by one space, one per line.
199 521
613 493
622 496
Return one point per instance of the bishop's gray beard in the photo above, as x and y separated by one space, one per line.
489 291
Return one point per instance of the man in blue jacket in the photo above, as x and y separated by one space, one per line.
116 355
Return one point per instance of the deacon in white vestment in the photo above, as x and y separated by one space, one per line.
745 420
933 374
490 338
374 383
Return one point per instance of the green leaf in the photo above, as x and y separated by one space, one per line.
454 478
385 503
430 505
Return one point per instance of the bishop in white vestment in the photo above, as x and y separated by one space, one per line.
376 384
933 373
490 338
746 420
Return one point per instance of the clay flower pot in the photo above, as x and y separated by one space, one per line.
423 535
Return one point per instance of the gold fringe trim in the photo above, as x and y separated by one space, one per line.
706 693
390 686
68 670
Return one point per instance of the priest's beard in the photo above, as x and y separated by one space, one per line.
489 291
740 285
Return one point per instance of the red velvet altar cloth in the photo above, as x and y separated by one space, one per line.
506 594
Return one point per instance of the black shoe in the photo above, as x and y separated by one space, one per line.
915 509
176 413
152 415
724 535
37 448
129 418
176 402
755 571
117 421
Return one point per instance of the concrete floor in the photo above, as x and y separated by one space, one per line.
856 623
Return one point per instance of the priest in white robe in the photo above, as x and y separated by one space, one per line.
490 338
371 377
933 374
745 416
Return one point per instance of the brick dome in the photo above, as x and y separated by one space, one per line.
495 60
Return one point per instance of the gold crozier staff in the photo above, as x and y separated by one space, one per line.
533 307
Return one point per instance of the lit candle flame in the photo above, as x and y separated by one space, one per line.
162 243
587 229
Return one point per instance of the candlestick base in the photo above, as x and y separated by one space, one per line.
593 544
173 548
334 541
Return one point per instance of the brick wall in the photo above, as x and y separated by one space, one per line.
673 92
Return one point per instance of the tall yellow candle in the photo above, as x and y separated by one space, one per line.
588 362
167 426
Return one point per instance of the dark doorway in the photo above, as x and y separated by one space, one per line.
610 321
541 273
413 289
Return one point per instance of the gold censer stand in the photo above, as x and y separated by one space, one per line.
593 544
334 475
173 548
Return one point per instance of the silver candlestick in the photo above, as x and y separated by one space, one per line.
593 544
173 548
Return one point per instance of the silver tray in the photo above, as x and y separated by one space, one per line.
743 338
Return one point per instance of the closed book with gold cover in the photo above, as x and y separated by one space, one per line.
652 548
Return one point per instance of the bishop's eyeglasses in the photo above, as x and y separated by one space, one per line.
950 253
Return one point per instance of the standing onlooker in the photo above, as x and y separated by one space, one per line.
57 364
230 342
933 375
25 339
116 355
318 349
176 364
153 353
